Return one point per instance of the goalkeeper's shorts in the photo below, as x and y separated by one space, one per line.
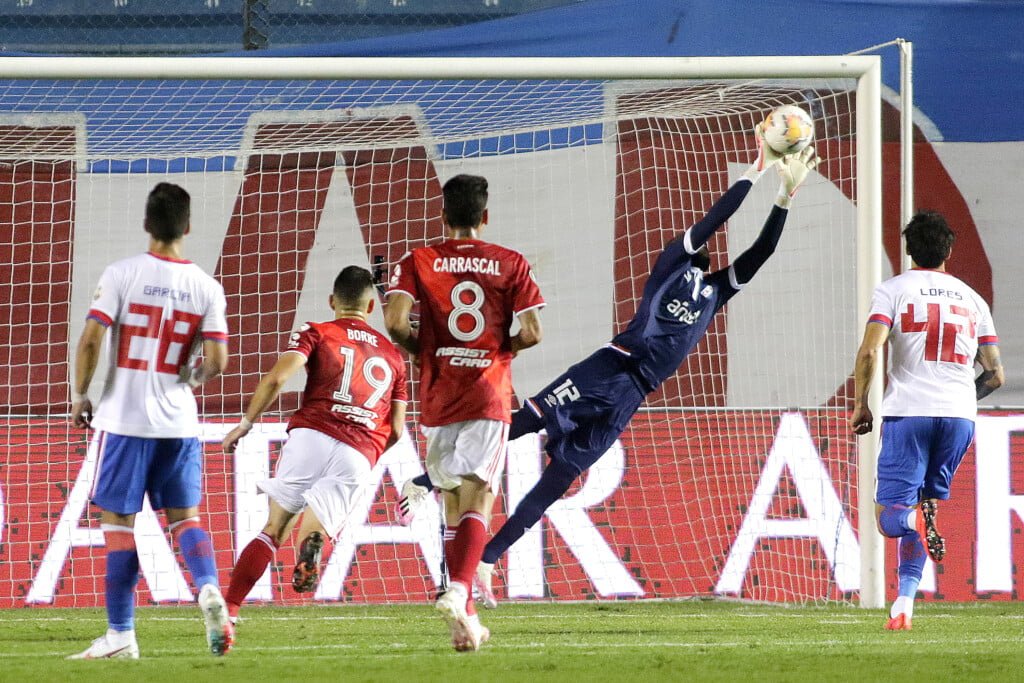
587 408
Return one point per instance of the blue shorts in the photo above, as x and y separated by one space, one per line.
128 467
919 457
587 408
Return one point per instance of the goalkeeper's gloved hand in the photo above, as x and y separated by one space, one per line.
793 171
766 156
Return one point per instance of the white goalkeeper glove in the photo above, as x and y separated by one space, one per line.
766 157
793 171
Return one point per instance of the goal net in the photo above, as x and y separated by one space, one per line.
738 477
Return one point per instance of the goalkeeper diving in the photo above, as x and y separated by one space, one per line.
587 407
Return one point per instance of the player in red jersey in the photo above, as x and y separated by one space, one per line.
470 292
353 409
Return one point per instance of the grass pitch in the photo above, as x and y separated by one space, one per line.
618 641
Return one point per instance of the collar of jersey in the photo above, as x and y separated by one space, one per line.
168 258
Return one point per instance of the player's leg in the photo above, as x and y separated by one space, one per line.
175 485
257 556
339 490
118 492
901 467
467 457
951 437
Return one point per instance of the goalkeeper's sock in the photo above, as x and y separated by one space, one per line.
248 569
197 549
897 520
467 547
912 558
122 575
424 481
554 482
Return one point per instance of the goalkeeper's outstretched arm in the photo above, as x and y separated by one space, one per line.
793 170
723 209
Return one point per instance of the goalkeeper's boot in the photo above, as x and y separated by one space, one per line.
111 645
307 570
220 632
900 622
935 543
409 503
482 581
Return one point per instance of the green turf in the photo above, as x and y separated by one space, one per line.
639 642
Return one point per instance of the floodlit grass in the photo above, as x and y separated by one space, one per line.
571 643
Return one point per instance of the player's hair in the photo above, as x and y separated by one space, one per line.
465 198
929 239
351 285
168 209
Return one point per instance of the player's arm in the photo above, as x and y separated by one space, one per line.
266 391
87 357
868 355
723 209
397 423
793 170
992 376
215 361
530 330
398 323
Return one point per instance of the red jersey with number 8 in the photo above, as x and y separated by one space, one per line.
353 374
158 310
469 293
937 324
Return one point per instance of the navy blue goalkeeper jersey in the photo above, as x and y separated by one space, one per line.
678 304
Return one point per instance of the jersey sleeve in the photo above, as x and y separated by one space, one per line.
883 309
986 328
403 279
526 294
304 340
107 299
215 321
725 284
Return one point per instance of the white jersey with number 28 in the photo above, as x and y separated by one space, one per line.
937 324
157 309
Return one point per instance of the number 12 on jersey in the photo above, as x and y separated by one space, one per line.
940 332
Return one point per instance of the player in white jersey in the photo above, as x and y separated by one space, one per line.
158 308
937 327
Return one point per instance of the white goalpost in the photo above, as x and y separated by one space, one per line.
737 479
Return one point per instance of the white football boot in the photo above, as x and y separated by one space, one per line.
468 634
111 645
220 632
410 502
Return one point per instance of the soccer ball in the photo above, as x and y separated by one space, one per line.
788 129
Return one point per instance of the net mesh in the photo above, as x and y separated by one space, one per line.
736 479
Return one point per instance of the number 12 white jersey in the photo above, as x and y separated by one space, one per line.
157 309
937 324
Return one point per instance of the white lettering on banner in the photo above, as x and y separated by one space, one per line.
826 521
994 561
162 573
251 465
569 518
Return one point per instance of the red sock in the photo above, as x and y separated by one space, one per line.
248 569
467 548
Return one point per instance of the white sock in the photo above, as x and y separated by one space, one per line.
120 636
902 605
